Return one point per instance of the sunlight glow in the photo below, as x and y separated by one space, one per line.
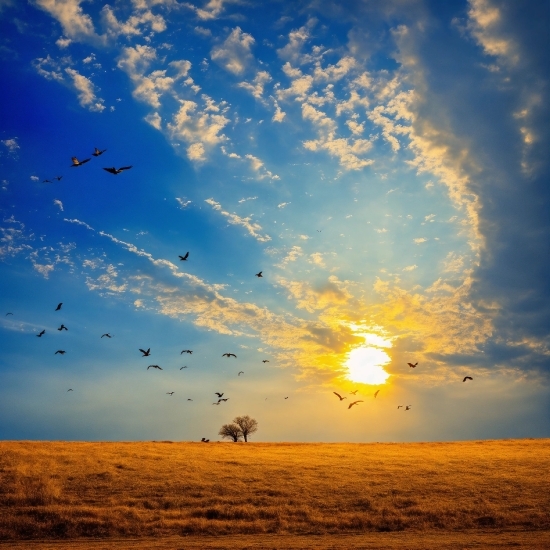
365 364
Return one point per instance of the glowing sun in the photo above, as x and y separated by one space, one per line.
365 365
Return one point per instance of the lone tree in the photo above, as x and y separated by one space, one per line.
247 425
230 431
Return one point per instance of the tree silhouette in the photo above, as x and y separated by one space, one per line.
230 431
247 425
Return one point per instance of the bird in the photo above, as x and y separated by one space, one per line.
47 181
229 355
9 313
217 403
399 406
116 171
353 392
265 361
186 351
412 366
259 274
354 403
62 327
240 372
106 334
41 333
154 367
204 440
467 378
170 393
339 396
183 367
189 399
60 351
70 389
58 178
145 353
224 399
408 407
184 258
286 397
376 393
77 162
59 306
97 152
220 395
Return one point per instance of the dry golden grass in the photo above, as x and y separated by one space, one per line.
61 490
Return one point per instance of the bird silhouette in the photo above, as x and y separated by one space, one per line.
70 389
353 392
224 399
58 306
376 393
145 353
467 378
189 399
399 406
62 327
170 393
58 178
116 171
204 440
286 397
47 181
41 334
408 407
183 367
412 366
354 403
240 372
77 162
259 274
184 258
229 355
106 334
154 367
265 361
339 396
217 403
97 152
220 395
60 351
186 351
9 313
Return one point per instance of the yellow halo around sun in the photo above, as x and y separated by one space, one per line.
365 365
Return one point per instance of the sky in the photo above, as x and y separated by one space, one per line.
384 165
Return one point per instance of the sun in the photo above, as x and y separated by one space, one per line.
365 365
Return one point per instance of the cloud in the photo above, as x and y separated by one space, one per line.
11 144
131 27
58 203
211 10
257 86
234 54
293 254
252 228
297 38
258 166
317 259
63 42
283 204
419 240
78 222
183 203
410 268
86 91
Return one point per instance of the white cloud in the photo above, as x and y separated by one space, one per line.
420 240
131 27
154 120
211 10
294 253
296 40
78 222
252 228
49 68
317 259
35 178
258 166
279 114
283 204
57 202
234 54
257 86
248 199
11 144
63 43
410 268
336 72
86 91
183 203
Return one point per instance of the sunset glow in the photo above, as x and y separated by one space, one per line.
365 365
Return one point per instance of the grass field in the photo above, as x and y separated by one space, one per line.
57 491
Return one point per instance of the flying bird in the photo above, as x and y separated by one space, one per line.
408 407
183 367
97 152
145 353
184 258
240 372
229 355
204 440
286 397
70 389
225 399
189 399
61 351
217 403
354 403
259 274
41 334
353 392
77 162
376 393
220 395
265 361
339 396
9 313
62 327
58 306
106 334
116 171
47 181
467 378
170 393
399 406
58 178
154 367
412 366
186 351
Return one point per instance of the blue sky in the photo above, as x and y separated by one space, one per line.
384 164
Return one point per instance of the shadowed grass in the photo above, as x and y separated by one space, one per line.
71 490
